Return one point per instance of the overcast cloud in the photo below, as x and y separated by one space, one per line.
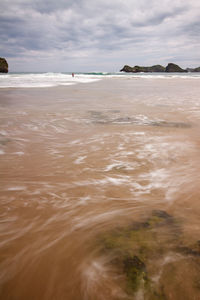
98 35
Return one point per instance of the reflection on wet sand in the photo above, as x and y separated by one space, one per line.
100 191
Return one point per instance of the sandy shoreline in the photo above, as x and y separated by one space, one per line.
80 161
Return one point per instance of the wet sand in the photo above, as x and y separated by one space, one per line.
80 162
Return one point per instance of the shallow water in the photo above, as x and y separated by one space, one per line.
80 162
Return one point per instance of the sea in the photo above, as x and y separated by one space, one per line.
99 186
31 80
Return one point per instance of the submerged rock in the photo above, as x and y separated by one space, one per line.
147 253
101 118
4 141
135 271
161 214
188 251
134 246
191 250
3 65
171 124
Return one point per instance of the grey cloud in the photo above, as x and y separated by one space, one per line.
49 6
193 28
94 30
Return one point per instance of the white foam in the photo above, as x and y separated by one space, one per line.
94 271
88 220
20 153
75 142
155 75
120 165
84 200
42 80
2 152
117 181
80 160
16 188
95 276
122 179
3 132
139 133
127 153
170 258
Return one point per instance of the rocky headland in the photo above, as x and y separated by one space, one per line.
170 68
136 69
3 65
174 68
193 69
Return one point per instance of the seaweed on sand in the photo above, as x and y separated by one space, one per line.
141 251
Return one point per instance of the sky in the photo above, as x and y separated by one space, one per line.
98 35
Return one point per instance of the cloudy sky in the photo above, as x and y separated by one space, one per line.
98 35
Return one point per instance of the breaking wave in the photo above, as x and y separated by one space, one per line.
38 80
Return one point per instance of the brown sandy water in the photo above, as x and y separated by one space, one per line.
78 163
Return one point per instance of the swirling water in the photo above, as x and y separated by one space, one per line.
81 161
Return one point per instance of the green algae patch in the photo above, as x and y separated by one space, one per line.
142 238
143 251
136 273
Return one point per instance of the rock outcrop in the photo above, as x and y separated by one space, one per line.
158 68
137 251
193 69
127 69
137 69
174 68
3 65
197 69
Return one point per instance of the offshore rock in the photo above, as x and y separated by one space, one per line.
158 68
3 65
127 69
174 68
138 69
193 69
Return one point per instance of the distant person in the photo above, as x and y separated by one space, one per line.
72 74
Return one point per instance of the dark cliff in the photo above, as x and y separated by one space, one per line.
3 65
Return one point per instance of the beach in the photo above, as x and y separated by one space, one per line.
99 179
